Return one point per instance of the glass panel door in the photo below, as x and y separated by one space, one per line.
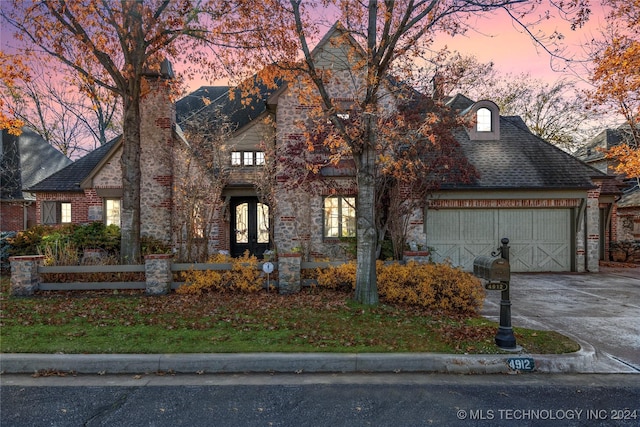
250 227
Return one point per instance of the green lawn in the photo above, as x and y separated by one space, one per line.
312 321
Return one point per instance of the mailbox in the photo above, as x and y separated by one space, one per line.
492 269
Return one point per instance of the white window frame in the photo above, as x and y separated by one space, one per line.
345 205
65 213
484 120
109 218
247 158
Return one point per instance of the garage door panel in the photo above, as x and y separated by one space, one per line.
549 257
478 225
521 257
540 239
553 226
447 253
448 226
517 225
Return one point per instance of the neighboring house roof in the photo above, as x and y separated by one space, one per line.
25 160
69 178
459 102
630 198
592 150
521 160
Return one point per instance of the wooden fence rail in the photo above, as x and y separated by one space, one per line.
28 270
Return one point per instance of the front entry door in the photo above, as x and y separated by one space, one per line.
249 226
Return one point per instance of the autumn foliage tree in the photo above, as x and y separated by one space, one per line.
74 116
115 44
616 78
390 34
10 72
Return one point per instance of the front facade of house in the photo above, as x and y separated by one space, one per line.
545 201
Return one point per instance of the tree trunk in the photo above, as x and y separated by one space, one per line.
366 280
130 163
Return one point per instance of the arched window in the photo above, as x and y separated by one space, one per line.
483 120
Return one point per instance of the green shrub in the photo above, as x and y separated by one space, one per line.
96 235
27 242
5 248
64 244
151 246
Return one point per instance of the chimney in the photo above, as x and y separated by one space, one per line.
158 118
437 85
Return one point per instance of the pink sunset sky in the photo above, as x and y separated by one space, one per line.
495 37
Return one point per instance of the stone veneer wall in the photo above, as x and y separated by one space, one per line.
592 220
110 174
299 216
156 160
627 224
25 278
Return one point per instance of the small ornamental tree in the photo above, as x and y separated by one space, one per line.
203 174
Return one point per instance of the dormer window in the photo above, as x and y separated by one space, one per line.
483 117
487 121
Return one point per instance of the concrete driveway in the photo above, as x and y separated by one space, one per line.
600 309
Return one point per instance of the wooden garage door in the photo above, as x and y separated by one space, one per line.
540 239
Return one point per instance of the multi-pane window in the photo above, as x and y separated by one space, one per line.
339 217
247 158
112 212
65 212
236 158
483 120
56 212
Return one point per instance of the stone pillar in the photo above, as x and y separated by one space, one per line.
592 247
25 278
289 273
157 270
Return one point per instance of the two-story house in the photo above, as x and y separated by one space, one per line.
544 200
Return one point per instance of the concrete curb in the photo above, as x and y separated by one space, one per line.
583 361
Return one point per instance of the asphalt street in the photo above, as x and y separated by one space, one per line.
322 400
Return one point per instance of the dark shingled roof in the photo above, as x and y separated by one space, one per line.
238 109
25 160
521 160
69 178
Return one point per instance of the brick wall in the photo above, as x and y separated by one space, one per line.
85 206
12 215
